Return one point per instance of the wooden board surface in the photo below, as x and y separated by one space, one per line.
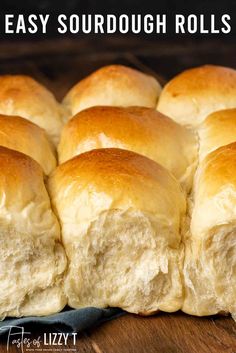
58 65
163 333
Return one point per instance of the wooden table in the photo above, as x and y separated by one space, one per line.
59 64
163 333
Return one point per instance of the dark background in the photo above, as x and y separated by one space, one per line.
169 7
59 61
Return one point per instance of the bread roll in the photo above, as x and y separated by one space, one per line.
192 95
23 96
138 129
21 135
120 214
210 256
32 259
217 130
113 85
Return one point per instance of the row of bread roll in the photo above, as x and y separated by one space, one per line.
34 278
210 251
209 287
33 262
121 216
32 259
121 213
188 98
114 85
90 194
147 208
141 130
204 98
210 247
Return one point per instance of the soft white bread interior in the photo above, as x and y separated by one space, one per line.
23 96
137 129
21 135
114 85
217 130
195 93
120 214
32 259
210 255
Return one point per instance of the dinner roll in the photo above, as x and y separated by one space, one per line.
32 259
23 96
217 130
189 97
114 85
210 257
21 135
138 129
120 214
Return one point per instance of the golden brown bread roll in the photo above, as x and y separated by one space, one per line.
32 259
195 93
114 85
210 254
120 214
217 130
21 135
23 96
138 129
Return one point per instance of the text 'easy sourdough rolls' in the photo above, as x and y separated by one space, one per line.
23 96
195 93
138 129
120 214
32 259
113 85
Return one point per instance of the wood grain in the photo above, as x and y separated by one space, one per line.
175 333
163 333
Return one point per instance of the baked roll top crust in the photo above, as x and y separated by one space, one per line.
138 129
23 96
114 85
195 93
218 129
21 135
